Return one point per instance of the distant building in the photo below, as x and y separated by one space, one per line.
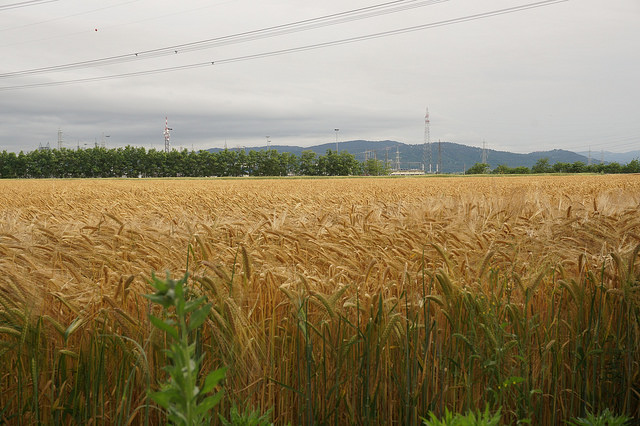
407 173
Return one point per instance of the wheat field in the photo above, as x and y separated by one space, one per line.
365 300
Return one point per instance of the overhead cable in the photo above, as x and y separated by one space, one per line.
296 49
24 4
292 27
64 17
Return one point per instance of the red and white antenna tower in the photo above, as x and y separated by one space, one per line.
167 135
427 144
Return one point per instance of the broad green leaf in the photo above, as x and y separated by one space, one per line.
198 317
193 304
209 402
161 285
158 323
161 300
213 379
162 398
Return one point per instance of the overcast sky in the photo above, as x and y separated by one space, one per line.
563 75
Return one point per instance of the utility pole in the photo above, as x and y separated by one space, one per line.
484 152
426 151
439 157
386 157
167 134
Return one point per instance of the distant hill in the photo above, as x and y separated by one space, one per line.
611 157
455 158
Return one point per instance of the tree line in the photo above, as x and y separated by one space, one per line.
136 162
543 166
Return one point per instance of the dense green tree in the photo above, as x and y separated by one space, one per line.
478 168
239 167
578 167
226 160
308 164
520 170
632 167
542 166
154 163
501 169
8 165
271 164
289 163
328 164
21 165
561 167
348 165
209 163
612 168
134 162
373 167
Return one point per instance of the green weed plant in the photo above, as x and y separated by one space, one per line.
185 402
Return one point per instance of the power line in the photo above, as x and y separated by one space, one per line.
293 27
67 16
24 4
610 143
296 49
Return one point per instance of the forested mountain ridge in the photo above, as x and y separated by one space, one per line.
454 157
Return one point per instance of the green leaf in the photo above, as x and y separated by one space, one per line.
514 380
209 402
180 306
162 398
161 300
158 323
161 285
75 324
179 290
193 304
213 379
198 317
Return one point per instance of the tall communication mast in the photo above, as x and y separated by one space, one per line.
426 152
167 134
484 152
387 164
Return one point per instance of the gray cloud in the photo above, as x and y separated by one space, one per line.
563 76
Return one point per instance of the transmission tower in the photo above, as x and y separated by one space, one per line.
59 139
426 152
167 134
484 152
397 158
439 166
